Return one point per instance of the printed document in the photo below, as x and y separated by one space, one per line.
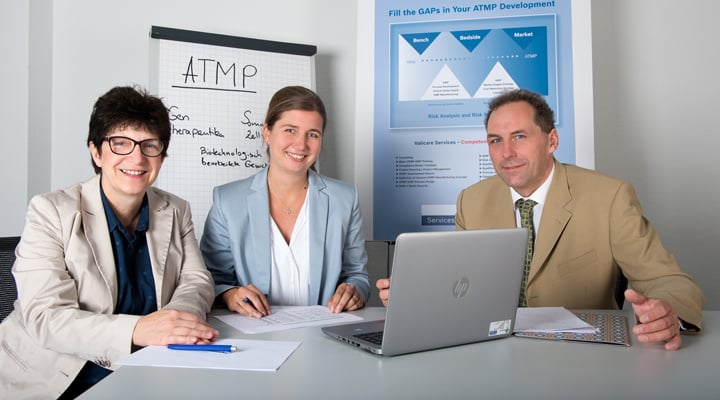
287 317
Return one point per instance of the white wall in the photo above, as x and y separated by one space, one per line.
82 48
655 74
657 96
14 115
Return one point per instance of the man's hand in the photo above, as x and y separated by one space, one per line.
384 286
658 321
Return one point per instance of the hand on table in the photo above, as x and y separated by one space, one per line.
165 327
346 298
657 320
248 301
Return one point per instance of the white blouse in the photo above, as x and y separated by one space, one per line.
290 273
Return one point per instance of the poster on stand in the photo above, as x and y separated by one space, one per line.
436 65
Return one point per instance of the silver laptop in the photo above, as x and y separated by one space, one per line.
448 288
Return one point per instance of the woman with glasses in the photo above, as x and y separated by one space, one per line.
287 235
106 266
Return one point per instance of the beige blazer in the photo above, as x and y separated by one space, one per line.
67 287
591 225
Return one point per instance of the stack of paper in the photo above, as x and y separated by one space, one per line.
550 319
557 323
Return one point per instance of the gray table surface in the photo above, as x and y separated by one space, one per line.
509 368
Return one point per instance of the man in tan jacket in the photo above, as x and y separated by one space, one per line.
589 227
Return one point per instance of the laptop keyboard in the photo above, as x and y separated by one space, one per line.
372 337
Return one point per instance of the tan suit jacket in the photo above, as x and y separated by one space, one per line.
67 287
591 225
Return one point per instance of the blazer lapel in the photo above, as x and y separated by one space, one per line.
318 209
258 210
557 211
158 238
97 234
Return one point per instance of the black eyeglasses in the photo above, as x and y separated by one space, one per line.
123 146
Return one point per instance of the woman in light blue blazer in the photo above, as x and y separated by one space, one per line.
287 235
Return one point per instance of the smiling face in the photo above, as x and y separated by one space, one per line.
294 141
521 152
126 177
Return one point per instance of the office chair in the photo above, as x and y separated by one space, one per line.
620 286
8 290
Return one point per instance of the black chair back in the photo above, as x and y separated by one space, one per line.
8 290
620 286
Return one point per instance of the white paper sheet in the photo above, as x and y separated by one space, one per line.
550 319
252 355
287 317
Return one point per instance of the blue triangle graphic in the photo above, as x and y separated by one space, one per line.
420 41
524 36
470 39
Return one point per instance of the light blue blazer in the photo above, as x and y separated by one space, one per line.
236 239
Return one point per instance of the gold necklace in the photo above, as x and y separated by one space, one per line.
288 210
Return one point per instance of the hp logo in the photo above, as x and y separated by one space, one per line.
461 287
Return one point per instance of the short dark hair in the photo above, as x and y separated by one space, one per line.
128 106
294 98
544 116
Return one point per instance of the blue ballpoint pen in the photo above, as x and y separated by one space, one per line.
220 348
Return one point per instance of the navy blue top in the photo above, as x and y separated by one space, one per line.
136 285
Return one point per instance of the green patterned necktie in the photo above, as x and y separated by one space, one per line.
526 221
